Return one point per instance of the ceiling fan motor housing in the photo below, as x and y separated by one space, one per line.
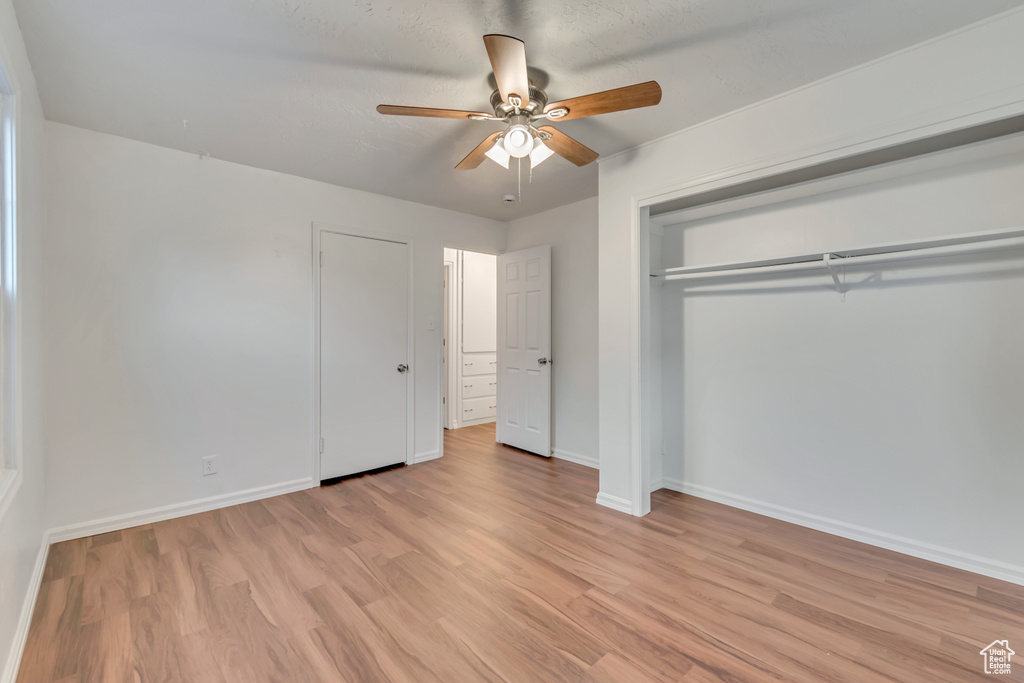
538 100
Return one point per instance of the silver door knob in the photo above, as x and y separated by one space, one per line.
544 361
402 367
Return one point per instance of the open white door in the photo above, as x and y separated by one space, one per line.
524 350
364 347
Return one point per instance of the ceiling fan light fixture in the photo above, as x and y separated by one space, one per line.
540 153
497 153
518 141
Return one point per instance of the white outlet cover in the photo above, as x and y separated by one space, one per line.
209 465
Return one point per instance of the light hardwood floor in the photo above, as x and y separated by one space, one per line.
492 565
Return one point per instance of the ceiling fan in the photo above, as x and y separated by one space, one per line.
519 104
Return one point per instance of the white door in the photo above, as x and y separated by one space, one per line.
364 342
524 350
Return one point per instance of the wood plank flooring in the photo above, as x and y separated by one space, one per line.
496 565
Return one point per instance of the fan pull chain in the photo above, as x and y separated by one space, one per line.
519 176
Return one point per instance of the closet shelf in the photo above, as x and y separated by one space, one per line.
932 247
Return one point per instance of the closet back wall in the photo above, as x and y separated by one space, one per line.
896 414
179 321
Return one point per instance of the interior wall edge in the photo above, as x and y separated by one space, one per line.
10 672
873 537
183 509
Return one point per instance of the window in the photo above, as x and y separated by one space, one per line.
10 465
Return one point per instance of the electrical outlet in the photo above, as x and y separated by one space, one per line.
209 465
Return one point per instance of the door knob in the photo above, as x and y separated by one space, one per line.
402 367
544 361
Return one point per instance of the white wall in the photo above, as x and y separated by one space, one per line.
896 411
22 513
572 233
940 85
179 320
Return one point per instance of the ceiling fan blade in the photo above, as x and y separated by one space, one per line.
631 97
508 60
396 110
565 146
479 153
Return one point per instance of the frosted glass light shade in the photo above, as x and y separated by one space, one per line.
498 154
540 153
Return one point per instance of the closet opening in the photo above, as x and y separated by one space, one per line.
811 340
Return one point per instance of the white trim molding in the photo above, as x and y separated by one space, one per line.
159 514
425 456
10 672
908 546
578 458
614 502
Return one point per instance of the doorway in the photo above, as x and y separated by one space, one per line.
470 338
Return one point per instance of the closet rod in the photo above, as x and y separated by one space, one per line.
968 243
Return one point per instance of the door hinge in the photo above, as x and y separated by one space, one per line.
321 259
321 444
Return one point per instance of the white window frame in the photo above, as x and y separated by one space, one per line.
10 391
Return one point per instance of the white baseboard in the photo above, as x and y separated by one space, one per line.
579 459
10 672
908 546
474 423
657 484
126 521
614 502
425 456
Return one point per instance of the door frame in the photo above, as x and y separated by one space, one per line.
410 387
448 352
944 120
463 246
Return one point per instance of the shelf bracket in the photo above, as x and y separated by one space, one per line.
830 263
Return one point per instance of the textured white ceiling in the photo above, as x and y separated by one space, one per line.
291 85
